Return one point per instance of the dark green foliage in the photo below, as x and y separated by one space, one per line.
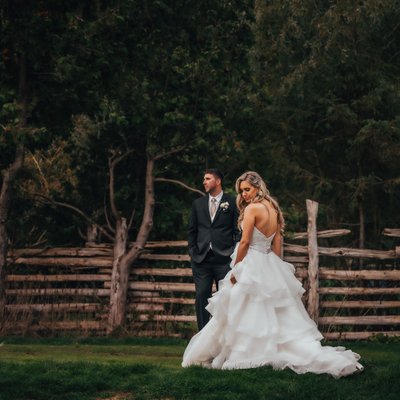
315 111
119 76
329 74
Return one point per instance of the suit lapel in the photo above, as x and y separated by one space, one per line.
206 208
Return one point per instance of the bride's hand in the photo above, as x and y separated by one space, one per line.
233 279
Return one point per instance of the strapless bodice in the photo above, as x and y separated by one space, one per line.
260 242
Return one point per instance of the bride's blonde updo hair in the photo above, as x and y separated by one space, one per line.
263 193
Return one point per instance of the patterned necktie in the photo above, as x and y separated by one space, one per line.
213 207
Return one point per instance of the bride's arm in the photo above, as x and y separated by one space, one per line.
249 220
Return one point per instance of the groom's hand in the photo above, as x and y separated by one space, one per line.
233 279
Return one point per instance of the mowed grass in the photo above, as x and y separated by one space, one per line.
150 369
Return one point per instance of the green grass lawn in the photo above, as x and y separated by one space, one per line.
150 369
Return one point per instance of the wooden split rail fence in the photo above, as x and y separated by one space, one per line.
67 289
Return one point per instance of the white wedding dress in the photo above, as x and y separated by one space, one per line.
261 320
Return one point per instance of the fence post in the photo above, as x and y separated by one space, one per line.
92 234
313 280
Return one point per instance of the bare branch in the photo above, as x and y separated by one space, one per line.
39 241
168 153
147 219
81 234
106 216
114 210
131 218
133 213
77 210
43 178
179 183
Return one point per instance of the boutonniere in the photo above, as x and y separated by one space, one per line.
224 206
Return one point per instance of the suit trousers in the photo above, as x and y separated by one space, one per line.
212 269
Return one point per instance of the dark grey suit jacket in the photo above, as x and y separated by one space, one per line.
222 232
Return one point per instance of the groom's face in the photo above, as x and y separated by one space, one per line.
211 183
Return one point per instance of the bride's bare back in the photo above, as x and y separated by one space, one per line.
266 218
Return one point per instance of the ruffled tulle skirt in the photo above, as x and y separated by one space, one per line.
261 320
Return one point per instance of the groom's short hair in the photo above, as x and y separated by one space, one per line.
216 172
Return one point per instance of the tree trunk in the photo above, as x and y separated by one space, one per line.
8 177
124 260
147 220
5 194
119 278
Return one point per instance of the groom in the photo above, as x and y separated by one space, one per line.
212 235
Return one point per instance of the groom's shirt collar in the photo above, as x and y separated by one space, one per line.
218 197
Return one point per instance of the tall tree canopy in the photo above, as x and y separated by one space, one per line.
329 74
316 111
143 77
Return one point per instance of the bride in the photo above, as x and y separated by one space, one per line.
258 317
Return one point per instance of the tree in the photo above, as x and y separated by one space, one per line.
14 115
29 40
329 74
156 84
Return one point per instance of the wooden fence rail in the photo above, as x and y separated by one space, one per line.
67 289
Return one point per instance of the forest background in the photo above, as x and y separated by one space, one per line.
98 96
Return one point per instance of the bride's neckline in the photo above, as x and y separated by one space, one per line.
267 237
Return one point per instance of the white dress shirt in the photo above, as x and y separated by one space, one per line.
218 198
